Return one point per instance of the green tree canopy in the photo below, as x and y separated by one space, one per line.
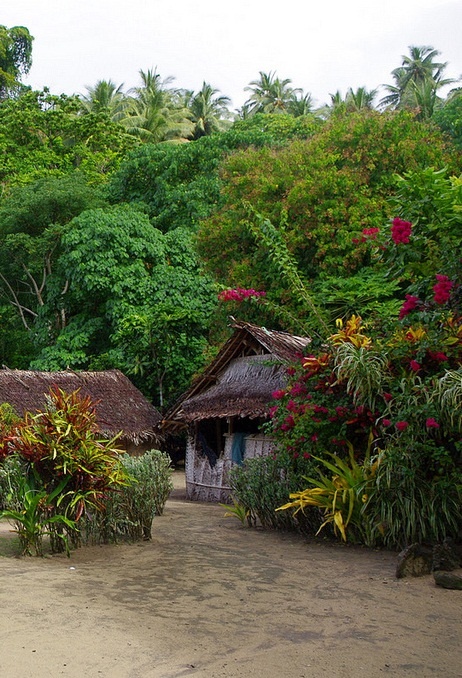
43 134
180 184
323 196
15 58
124 295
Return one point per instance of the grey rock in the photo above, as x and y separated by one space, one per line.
448 580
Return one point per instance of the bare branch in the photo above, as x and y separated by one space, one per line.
15 302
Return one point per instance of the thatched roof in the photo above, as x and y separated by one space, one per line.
119 405
244 388
240 381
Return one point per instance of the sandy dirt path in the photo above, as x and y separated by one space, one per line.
208 598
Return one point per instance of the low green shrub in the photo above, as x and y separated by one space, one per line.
407 504
262 484
129 510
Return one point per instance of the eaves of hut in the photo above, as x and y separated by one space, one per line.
120 407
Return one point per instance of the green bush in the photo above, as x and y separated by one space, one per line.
262 484
407 504
129 511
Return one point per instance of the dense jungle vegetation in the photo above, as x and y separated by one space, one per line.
125 217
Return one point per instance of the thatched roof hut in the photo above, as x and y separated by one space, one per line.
241 379
225 406
119 405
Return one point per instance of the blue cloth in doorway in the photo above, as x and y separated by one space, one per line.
238 447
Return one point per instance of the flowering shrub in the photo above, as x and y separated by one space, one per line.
393 387
442 289
401 231
239 294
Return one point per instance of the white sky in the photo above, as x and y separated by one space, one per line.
321 45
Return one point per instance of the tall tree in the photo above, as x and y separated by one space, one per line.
209 112
416 82
105 96
155 112
301 104
15 58
270 94
354 100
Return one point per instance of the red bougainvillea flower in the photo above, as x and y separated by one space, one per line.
288 423
371 233
442 289
402 425
387 397
239 294
439 356
278 395
401 231
431 423
409 305
386 422
414 365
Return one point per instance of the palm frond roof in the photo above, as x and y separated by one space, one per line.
120 407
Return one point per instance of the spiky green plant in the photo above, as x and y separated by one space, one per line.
363 369
448 398
340 496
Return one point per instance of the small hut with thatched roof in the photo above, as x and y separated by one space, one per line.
227 404
120 407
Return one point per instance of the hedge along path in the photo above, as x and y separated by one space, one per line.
210 598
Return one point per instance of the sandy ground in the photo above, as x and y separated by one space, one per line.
210 599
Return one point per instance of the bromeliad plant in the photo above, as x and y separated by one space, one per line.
341 497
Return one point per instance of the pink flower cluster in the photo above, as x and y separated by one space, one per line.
409 305
239 294
367 234
414 365
438 356
401 231
442 289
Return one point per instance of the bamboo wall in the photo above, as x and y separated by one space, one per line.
204 483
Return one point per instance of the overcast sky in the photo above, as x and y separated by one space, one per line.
322 46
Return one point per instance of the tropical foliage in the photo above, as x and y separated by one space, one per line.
133 222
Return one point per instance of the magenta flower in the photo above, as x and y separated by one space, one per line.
409 305
278 395
402 425
439 356
442 289
386 422
431 423
239 294
292 406
401 231
414 365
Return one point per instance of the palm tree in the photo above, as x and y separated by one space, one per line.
269 94
416 81
301 104
155 113
209 112
354 100
360 99
105 96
